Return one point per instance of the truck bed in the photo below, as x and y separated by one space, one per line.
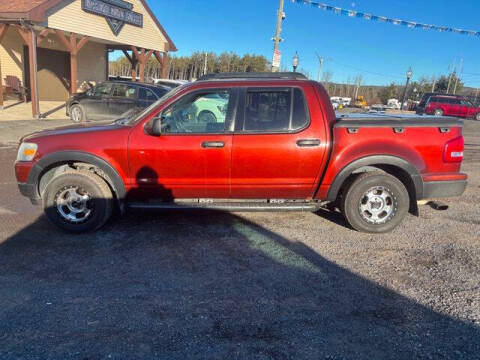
387 120
410 139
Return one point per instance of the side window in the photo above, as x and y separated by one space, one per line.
202 112
147 95
124 91
275 110
455 101
103 90
267 110
300 110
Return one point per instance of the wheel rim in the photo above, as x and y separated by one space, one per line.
377 205
478 117
438 112
76 114
74 205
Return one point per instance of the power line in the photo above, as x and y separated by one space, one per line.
367 71
384 19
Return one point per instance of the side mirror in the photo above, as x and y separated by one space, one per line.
157 126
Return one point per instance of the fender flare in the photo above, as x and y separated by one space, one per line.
348 170
46 162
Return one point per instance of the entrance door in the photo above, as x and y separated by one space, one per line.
277 151
53 74
192 156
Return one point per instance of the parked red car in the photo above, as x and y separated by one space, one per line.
452 106
277 146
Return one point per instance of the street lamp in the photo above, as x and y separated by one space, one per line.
295 61
409 76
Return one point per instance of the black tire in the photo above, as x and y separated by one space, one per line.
77 114
438 112
206 117
99 205
396 202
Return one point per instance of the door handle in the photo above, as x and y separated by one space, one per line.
308 142
213 144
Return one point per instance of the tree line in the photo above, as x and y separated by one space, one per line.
193 66
449 83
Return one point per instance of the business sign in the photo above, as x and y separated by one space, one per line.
277 58
116 12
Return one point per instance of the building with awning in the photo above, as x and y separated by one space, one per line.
49 47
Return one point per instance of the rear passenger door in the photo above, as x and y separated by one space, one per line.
278 143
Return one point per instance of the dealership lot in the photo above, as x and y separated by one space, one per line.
214 285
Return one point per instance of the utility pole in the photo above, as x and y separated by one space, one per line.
277 39
460 69
434 83
320 60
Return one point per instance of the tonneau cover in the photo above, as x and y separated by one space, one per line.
377 120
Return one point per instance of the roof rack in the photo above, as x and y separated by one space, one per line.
254 76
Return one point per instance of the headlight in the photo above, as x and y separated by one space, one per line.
27 151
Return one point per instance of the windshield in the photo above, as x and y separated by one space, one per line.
134 118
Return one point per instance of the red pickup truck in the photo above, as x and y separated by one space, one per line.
243 142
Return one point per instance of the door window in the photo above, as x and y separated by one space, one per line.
281 110
146 95
202 112
125 91
103 90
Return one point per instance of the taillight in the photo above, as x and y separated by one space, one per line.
454 150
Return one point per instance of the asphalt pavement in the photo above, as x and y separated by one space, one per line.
240 286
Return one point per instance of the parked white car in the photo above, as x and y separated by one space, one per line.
345 101
393 104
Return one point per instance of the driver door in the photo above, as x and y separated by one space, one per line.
96 102
192 156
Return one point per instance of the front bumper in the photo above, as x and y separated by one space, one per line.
443 189
30 191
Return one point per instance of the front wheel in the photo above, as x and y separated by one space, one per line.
477 117
77 114
375 202
78 201
438 112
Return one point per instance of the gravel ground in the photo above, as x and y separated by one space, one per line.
264 286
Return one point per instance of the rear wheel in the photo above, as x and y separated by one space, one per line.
77 114
477 117
78 201
438 112
375 202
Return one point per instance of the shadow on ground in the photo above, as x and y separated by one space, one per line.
203 285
